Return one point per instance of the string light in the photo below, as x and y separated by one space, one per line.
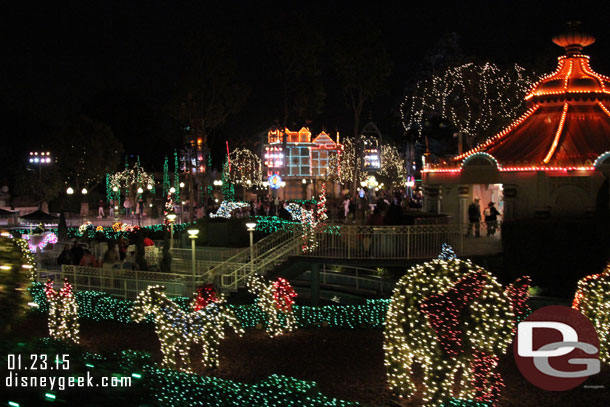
592 299
47 238
453 319
311 223
177 329
99 306
471 96
226 207
246 168
275 300
63 313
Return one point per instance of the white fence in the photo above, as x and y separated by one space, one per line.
124 283
387 242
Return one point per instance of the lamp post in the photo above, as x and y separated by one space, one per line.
251 226
193 235
171 217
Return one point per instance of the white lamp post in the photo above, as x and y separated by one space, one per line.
193 235
69 191
171 217
84 191
251 226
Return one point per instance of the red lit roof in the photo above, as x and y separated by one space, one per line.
568 121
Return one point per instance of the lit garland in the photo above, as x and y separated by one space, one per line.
450 317
42 241
63 313
246 168
592 299
275 299
177 329
226 207
471 96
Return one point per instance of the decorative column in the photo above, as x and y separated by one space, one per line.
432 198
510 201
463 203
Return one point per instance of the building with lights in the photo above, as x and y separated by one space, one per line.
300 161
552 161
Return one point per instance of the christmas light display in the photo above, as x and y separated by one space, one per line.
275 299
63 313
205 296
99 306
176 176
177 329
312 223
246 168
295 210
270 224
85 227
39 242
226 207
393 168
592 299
471 96
452 319
166 183
131 180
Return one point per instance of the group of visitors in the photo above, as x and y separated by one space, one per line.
490 214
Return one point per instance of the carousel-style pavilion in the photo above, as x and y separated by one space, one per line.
553 160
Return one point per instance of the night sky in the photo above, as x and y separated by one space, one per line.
119 62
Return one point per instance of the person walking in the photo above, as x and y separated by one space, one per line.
474 217
127 205
100 210
491 218
111 208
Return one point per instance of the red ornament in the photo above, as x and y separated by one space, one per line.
283 295
444 311
486 384
205 296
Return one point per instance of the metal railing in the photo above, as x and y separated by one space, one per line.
261 249
261 264
386 242
124 283
358 278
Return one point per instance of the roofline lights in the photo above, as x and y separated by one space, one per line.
557 134
499 135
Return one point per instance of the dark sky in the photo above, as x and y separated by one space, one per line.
120 60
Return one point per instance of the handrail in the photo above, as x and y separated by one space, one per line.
261 264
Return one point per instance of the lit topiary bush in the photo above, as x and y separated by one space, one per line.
453 319
592 298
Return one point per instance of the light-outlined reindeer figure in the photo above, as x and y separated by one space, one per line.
63 312
275 299
178 330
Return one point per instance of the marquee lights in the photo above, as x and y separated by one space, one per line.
557 135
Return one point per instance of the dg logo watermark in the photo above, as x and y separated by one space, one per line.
556 348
